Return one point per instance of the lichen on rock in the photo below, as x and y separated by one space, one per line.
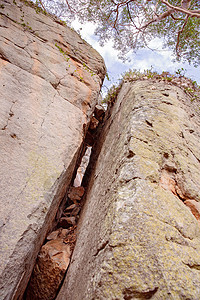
136 237
48 97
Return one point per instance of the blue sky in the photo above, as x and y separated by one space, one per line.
143 59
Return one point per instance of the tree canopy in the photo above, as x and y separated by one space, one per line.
132 24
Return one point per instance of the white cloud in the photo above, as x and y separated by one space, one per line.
160 60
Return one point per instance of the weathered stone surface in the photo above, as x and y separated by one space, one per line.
99 112
194 207
75 193
47 99
136 237
81 170
50 267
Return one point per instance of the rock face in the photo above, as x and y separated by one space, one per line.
136 237
49 85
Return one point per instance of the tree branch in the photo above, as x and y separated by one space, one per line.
69 6
191 13
42 5
176 19
179 33
159 18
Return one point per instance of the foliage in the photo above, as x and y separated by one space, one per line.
63 52
112 93
191 88
132 24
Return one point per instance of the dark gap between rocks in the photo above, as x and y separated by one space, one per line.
54 257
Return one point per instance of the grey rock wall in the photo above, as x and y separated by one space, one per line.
49 84
137 239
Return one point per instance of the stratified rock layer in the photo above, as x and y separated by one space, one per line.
49 84
137 239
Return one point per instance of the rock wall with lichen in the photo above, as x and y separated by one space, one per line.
138 238
49 85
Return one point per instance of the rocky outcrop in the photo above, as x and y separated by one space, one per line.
49 85
136 237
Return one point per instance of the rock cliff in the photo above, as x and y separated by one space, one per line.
138 234
49 84
137 237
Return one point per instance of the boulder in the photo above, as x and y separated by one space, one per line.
136 238
48 96
49 270
99 112
75 193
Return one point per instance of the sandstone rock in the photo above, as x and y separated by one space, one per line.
53 235
47 98
71 207
99 112
52 262
66 221
75 193
60 233
194 207
81 170
63 233
136 238
89 139
93 123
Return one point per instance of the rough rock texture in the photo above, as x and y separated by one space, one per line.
49 84
50 267
194 207
137 239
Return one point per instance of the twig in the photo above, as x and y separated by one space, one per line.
159 18
42 5
176 19
179 33
69 6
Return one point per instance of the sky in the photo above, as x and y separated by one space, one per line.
142 60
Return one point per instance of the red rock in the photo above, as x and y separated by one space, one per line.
194 206
167 182
49 270
93 123
63 233
71 220
66 221
89 140
75 211
75 193
71 207
53 235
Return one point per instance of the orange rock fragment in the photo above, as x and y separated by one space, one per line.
75 193
194 206
167 182
93 123
49 270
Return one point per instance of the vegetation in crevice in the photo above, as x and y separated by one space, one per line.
190 87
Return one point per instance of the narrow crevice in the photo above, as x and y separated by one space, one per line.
61 239
103 246
4 57
130 293
196 267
